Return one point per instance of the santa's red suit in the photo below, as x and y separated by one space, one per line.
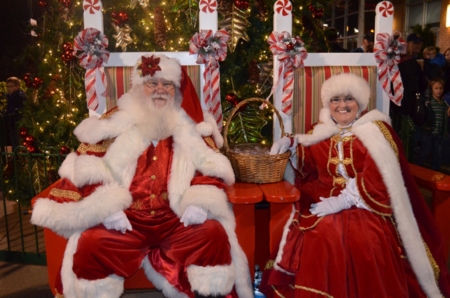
118 167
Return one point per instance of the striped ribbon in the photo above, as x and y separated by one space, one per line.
291 54
211 48
91 45
387 54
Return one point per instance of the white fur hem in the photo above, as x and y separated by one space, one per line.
387 163
283 243
73 287
92 210
217 280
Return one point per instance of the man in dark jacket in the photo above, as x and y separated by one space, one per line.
15 102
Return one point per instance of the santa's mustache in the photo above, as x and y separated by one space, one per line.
163 96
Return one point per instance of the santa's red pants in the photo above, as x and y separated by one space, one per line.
171 247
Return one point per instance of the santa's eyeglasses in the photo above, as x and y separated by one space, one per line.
155 84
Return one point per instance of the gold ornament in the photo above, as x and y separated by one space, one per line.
143 3
123 36
265 77
236 23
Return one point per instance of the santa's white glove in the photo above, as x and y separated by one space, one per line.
282 145
118 221
348 197
193 215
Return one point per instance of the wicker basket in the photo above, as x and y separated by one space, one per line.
255 168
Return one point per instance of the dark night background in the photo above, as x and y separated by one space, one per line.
15 35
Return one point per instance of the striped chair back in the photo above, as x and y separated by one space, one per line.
119 82
308 82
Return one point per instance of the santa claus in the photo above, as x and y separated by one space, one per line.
146 189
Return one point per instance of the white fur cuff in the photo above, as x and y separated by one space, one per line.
92 210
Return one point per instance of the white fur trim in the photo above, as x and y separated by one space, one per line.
216 135
90 169
92 210
205 129
283 243
73 287
170 70
93 130
346 84
387 163
211 280
160 282
67 167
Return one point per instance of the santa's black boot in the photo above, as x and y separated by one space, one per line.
197 295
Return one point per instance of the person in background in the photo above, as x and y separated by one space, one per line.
435 128
433 63
331 36
361 228
15 103
367 46
447 71
414 82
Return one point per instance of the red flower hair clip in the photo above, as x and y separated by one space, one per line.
149 66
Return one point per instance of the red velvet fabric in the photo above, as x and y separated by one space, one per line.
356 252
171 247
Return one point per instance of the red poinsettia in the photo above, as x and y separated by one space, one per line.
149 66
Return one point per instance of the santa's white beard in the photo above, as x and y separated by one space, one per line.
156 123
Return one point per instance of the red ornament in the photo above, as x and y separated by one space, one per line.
232 98
67 56
64 150
32 149
42 4
290 46
23 132
119 17
29 139
66 3
241 4
318 13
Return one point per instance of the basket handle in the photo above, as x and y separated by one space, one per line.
236 108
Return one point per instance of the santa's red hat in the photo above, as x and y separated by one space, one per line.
163 67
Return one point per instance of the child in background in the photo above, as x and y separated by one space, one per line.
435 128
433 63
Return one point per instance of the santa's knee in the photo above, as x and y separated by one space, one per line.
211 281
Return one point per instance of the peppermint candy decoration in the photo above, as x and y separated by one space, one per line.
91 5
211 48
283 7
387 54
208 6
386 8
91 44
291 53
